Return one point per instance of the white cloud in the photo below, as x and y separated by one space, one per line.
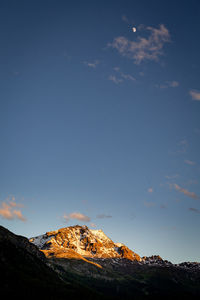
123 76
172 176
183 145
114 79
117 69
91 64
168 84
128 76
93 225
195 95
150 48
8 212
77 216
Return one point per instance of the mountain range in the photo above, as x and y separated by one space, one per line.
82 263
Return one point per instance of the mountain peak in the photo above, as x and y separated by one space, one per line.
80 240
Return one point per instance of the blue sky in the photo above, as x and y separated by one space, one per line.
99 125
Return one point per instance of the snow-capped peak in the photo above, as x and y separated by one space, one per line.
83 241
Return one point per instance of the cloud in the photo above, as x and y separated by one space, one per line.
117 69
168 84
189 162
123 76
77 216
183 142
19 215
5 211
114 79
185 192
182 145
128 77
172 176
8 212
143 48
194 210
150 190
173 83
195 95
103 216
93 225
91 64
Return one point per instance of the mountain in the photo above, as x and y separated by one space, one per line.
25 273
95 260
73 240
79 263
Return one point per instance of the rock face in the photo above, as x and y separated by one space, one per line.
82 241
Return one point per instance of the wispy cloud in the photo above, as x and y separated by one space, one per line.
121 76
189 162
150 48
8 210
186 192
127 77
114 79
103 216
77 216
172 176
182 146
195 95
93 225
19 215
194 210
168 84
91 64
183 142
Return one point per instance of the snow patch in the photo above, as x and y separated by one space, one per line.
40 240
100 235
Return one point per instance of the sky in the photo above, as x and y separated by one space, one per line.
100 121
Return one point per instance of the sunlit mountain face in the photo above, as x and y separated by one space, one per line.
83 241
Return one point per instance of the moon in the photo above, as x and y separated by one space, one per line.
134 29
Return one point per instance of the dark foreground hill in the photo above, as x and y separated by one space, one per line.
26 272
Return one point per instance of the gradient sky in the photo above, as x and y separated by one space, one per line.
100 125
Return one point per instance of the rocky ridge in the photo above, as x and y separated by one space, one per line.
81 242
19 242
